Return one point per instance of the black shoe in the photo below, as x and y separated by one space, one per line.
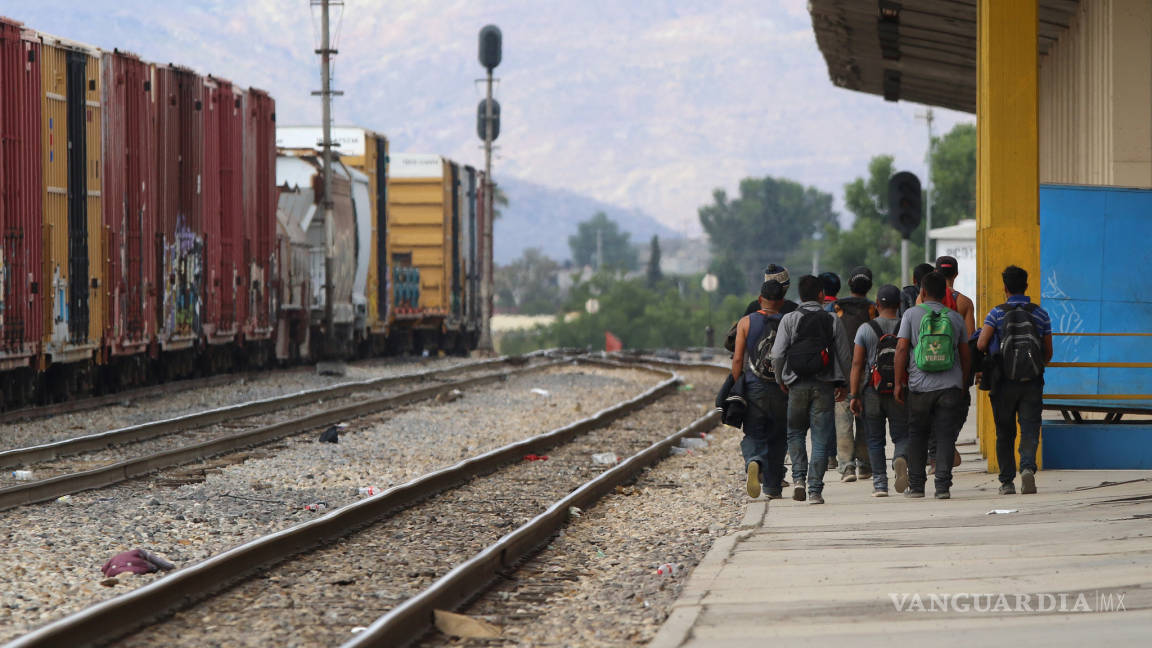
776 495
914 494
1027 482
943 494
1007 488
798 491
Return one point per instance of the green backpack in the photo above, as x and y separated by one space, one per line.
936 343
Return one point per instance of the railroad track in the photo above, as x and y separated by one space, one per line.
464 481
54 487
35 412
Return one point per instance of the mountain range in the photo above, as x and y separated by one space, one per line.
544 217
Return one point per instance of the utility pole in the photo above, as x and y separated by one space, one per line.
491 51
326 51
599 249
928 117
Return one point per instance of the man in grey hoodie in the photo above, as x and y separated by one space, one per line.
812 359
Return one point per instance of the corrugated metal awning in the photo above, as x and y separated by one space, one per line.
916 50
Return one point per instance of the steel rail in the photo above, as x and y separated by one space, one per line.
152 429
117 617
409 621
33 412
48 489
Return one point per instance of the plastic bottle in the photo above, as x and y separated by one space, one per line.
369 490
677 450
669 569
693 443
604 458
318 506
22 475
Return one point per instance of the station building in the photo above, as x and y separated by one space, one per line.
1062 94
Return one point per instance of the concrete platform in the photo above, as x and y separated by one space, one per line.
864 570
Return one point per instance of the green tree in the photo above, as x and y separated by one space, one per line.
654 273
529 284
618 252
672 314
954 176
763 225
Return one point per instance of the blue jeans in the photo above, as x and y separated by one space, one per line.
810 406
879 408
766 432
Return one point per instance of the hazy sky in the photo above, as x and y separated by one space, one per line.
642 103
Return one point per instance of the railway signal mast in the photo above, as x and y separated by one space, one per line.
326 93
904 200
488 115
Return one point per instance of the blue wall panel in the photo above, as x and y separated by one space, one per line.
1096 446
1096 259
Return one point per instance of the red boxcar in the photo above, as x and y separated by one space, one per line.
21 318
179 96
129 211
260 197
223 226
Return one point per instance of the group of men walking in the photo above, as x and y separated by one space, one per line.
849 373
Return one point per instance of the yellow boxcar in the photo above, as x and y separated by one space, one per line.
73 260
419 207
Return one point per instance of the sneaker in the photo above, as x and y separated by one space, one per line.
879 492
848 475
943 494
863 473
832 463
1027 482
913 494
1008 489
776 495
753 479
815 498
956 458
798 491
900 467
783 483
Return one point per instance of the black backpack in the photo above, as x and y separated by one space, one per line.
884 369
908 296
810 352
759 359
1020 351
853 313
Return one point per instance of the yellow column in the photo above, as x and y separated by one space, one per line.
1007 188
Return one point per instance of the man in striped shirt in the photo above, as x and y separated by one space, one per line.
1017 393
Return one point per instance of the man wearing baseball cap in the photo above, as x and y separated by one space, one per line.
957 301
872 387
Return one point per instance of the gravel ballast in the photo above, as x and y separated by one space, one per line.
57 549
597 584
320 597
239 424
195 399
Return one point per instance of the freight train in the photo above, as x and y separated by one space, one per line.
151 229
414 224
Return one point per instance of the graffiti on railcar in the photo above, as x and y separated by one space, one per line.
183 266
